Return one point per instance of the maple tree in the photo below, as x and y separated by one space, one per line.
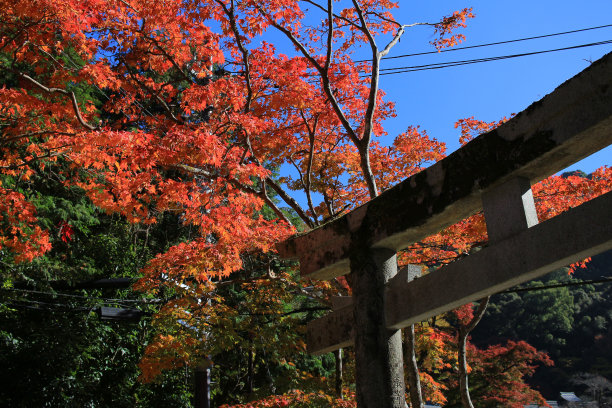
507 365
172 130
173 107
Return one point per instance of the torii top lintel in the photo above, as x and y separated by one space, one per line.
565 126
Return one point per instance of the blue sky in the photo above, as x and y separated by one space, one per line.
435 99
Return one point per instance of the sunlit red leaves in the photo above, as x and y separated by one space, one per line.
552 196
165 352
411 152
376 14
498 373
19 233
560 193
448 25
299 399
170 137
504 369
470 127
65 231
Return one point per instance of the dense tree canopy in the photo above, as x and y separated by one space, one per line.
178 118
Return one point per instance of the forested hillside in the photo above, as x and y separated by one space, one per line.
571 321
153 154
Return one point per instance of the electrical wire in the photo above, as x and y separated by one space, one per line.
449 64
558 285
47 309
458 63
414 68
492 43
101 300
517 290
45 305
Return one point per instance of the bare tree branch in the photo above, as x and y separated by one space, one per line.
147 89
324 77
33 159
168 56
290 201
71 95
464 331
330 35
264 195
247 189
412 368
306 181
398 35
337 16
245 53
7 140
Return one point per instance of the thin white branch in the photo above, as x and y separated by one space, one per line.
398 35
71 95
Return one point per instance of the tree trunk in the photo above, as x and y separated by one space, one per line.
464 331
338 357
250 373
366 170
464 389
412 368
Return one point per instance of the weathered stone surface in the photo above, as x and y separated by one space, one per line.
379 363
318 332
331 332
323 334
406 274
509 209
574 235
582 232
339 302
569 124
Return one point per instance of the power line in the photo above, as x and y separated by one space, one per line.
26 303
102 300
105 300
46 306
105 313
558 285
414 68
480 46
493 43
47 309
449 64
503 56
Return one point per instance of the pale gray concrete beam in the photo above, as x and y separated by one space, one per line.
331 332
324 331
579 233
570 237
339 302
509 209
569 124
406 274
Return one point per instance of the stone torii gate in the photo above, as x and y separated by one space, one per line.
493 172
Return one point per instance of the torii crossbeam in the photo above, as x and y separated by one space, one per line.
493 171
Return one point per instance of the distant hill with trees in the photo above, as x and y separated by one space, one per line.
571 322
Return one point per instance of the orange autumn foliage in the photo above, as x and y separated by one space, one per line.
177 106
